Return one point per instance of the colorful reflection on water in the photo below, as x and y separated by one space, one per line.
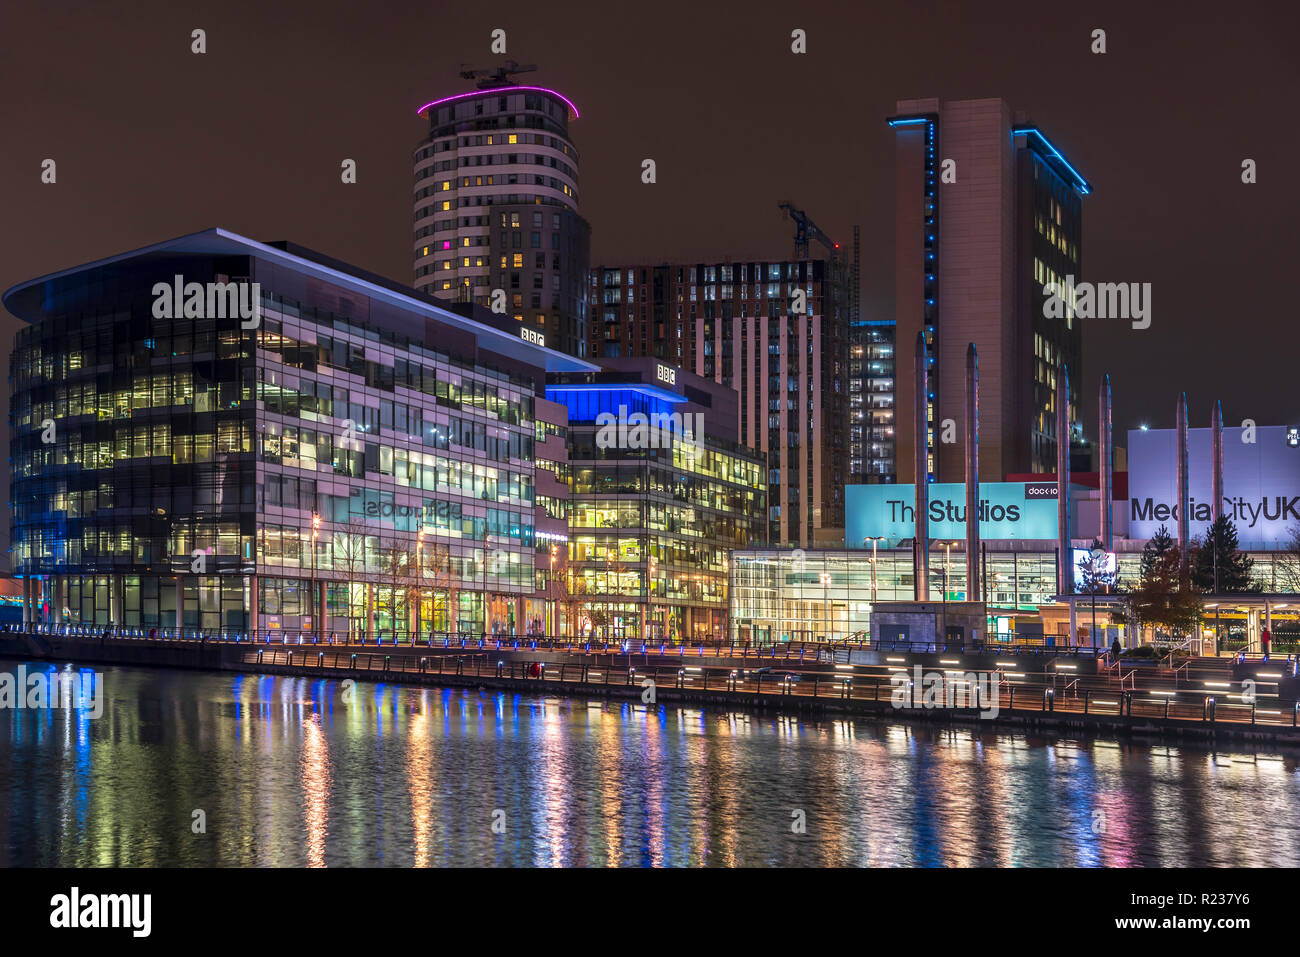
294 772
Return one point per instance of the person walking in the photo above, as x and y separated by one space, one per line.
1265 641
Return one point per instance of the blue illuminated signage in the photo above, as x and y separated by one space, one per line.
1007 510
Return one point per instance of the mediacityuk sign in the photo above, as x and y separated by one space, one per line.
1261 483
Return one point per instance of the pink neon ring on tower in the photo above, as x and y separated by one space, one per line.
504 89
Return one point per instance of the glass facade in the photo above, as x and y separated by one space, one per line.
871 403
739 324
324 463
1056 214
651 529
826 595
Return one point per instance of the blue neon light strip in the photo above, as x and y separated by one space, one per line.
585 403
1081 184
663 395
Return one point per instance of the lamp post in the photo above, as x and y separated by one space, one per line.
1095 552
315 533
550 588
825 579
873 539
726 584
419 583
609 589
1215 553
652 568
947 553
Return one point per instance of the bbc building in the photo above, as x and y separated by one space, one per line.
218 433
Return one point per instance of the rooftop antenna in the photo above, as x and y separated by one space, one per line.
493 77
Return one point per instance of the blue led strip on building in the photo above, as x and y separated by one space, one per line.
931 295
1043 146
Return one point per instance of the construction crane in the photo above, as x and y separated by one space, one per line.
497 76
806 228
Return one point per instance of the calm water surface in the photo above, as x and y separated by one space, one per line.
294 772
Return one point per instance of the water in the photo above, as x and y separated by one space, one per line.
288 773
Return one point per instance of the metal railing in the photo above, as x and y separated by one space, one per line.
1183 706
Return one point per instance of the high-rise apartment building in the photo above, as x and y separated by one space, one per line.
777 333
871 386
989 211
496 209
871 402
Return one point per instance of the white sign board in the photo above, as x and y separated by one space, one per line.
1261 483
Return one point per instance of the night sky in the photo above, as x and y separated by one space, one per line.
152 142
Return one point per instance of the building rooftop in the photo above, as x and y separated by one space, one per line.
500 89
28 300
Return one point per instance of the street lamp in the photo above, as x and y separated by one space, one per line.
825 579
315 533
947 553
873 539
609 589
550 588
1096 552
419 582
652 568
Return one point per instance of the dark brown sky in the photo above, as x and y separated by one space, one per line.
152 141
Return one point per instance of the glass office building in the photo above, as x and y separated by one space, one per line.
826 595
218 433
652 523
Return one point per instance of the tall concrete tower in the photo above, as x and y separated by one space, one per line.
988 213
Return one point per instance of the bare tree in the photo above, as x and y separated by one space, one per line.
397 568
1286 563
441 577
348 554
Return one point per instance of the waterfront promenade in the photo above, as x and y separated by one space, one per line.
1031 685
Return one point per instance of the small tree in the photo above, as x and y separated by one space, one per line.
1094 579
599 619
1218 566
397 566
1287 562
569 597
442 577
1157 546
348 555
1163 597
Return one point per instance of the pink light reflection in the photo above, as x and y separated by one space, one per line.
504 89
